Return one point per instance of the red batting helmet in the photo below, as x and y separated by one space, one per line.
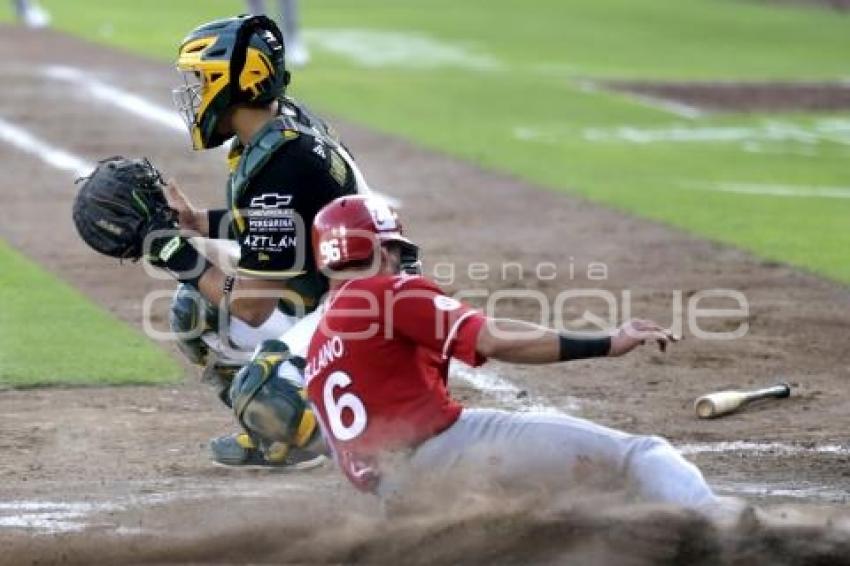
350 228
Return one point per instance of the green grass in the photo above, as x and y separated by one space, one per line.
50 334
540 53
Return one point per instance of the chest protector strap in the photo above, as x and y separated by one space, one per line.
256 154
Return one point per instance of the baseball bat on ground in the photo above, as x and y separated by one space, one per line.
725 402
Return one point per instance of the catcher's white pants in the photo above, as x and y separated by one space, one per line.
550 452
295 332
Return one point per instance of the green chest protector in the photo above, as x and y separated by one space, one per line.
276 133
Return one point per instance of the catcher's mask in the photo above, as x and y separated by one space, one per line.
268 405
226 62
349 230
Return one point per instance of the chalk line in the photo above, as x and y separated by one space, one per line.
792 191
775 448
832 130
54 156
53 517
672 107
120 98
508 394
374 48
801 490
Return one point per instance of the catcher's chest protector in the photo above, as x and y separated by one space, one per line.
245 162
255 155
294 125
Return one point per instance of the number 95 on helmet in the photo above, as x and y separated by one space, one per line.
224 63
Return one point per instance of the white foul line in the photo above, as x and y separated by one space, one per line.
54 156
117 97
775 448
793 191
508 394
677 108
801 490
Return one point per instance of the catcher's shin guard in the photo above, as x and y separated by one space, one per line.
271 408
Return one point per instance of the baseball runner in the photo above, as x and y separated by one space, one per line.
286 163
376 377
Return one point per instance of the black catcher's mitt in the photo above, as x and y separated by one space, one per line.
119 204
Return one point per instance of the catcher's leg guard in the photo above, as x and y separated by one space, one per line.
281 430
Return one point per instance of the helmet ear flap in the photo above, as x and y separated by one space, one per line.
251 25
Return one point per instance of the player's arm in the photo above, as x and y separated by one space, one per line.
253 300
422 313
525 343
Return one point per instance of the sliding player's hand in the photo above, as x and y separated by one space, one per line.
636 332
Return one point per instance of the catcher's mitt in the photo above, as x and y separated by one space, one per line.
119 204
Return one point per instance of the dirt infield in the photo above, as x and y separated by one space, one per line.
745 97
117 475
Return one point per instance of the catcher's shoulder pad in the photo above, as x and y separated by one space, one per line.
234 155
273 136
309 119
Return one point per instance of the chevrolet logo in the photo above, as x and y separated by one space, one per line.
271 200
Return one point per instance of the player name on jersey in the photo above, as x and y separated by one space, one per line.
327 352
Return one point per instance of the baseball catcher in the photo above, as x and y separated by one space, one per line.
285 162
377 383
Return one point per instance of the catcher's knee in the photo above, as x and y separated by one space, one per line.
190 316
271 407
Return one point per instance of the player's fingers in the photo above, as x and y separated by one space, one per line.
172 193
173 189
175 197
658 336
662 338
655 328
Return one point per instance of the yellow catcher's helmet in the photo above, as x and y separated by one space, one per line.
226 62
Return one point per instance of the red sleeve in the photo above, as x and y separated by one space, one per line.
424 314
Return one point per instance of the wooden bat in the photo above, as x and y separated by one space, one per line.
725 402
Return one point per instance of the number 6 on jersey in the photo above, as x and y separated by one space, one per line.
335 408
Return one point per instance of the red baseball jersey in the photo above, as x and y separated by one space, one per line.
378 364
